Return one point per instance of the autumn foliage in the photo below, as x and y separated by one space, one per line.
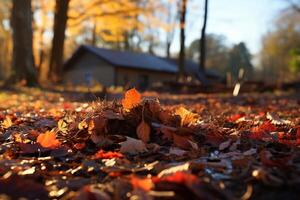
143 147
48 140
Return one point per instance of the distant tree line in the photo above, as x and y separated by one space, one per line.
37 32
223 58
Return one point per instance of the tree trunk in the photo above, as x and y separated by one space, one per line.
94 34
182 39
168 47
23 61
203 39
170 33
57 51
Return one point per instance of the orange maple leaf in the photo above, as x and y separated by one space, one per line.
48 140
144 184
131 99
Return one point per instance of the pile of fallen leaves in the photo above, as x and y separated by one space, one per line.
136 148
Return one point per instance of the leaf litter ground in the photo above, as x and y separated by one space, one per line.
144 147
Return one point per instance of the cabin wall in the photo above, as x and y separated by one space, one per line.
88 69
141 78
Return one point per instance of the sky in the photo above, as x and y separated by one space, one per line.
237 20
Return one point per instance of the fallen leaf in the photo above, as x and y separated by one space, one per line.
182 141
167 132
132 146
275 119
143 131
179 168
97 124
176 151
107 155
18 187
187 117
62 125
48 140
90 192
235 117
224 145
7 122
83 125
177 177
144 184
132 99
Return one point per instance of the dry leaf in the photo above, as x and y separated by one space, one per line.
144 184
167 132
83 124
107 155
224 145
182 142
48 140
274 118
97 124
132 146
62 125
187 117
165 116
179 177
7 122
176 151
132 99
178 168
143 131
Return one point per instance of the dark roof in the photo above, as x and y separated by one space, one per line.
126 59
143 61
192 69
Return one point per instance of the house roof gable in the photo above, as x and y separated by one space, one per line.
125 59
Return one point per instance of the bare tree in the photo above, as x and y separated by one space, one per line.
295 4
23 61
60 23
203 39
182 38
171 32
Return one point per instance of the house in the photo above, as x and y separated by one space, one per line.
111 67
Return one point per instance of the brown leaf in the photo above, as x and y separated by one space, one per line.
18 187
132 146
132 99
181 141
143 131
97 124
167 132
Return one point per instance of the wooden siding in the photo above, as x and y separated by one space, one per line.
89 65
134 77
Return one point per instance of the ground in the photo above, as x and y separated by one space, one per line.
150 146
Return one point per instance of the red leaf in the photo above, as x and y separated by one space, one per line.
79 146
260 131
235 117
107 155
